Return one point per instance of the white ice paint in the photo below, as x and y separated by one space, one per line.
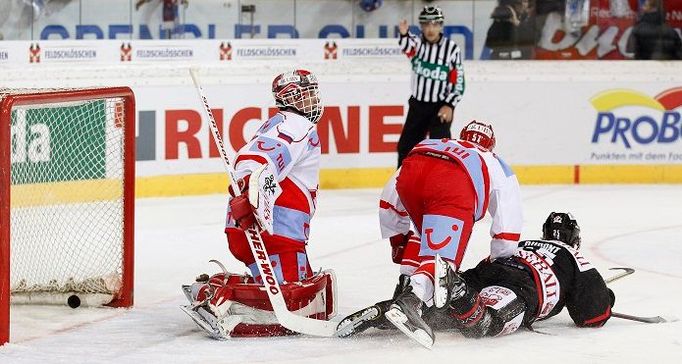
636 226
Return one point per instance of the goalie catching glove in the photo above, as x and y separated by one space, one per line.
242 211
259 191
240 207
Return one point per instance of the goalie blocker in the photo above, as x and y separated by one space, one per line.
232 305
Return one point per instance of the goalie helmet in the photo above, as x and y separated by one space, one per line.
431 14
298 90
562 226
479 133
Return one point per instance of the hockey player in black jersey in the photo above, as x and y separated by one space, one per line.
498 297
536 283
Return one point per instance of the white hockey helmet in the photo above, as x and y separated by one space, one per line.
298 90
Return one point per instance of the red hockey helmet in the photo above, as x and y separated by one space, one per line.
479 133
298 89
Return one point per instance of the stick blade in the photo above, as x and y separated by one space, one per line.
644 319
625 272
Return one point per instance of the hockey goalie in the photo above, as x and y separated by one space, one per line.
286 146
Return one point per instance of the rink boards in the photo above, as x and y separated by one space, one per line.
555 122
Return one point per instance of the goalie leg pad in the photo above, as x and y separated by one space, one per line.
288 256
314 297
204 287
289 267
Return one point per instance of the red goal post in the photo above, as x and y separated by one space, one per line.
67 197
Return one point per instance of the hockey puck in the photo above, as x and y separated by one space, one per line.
73 301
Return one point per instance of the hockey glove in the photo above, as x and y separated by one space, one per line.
398 244
242 211
242 186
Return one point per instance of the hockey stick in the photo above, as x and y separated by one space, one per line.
648 320
625 272
285 317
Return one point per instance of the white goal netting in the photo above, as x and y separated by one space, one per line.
66 226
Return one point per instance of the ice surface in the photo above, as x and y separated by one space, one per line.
637 226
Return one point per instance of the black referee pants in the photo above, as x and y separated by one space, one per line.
422 119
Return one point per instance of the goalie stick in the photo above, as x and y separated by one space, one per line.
286 318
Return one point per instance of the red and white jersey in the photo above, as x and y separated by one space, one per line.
289 143
497 191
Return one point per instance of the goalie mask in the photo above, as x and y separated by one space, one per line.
563 227
298 90
431 14
479 133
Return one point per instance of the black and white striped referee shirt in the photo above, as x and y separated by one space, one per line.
437 72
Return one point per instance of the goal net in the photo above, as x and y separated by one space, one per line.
66 197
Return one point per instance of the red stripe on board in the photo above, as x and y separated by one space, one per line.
576 174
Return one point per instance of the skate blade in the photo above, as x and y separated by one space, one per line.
347 326
203 324
187 290
398 319
440 291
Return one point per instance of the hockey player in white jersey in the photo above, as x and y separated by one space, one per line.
287 145
443 187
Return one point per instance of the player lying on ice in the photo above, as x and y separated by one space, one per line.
442 188
231 305
499 296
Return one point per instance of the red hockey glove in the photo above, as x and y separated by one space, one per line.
242 186
398 244
242 211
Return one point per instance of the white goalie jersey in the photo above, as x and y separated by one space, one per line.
289 144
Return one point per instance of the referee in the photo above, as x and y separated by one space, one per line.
437 80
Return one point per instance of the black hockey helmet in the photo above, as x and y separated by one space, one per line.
562 226
431 13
